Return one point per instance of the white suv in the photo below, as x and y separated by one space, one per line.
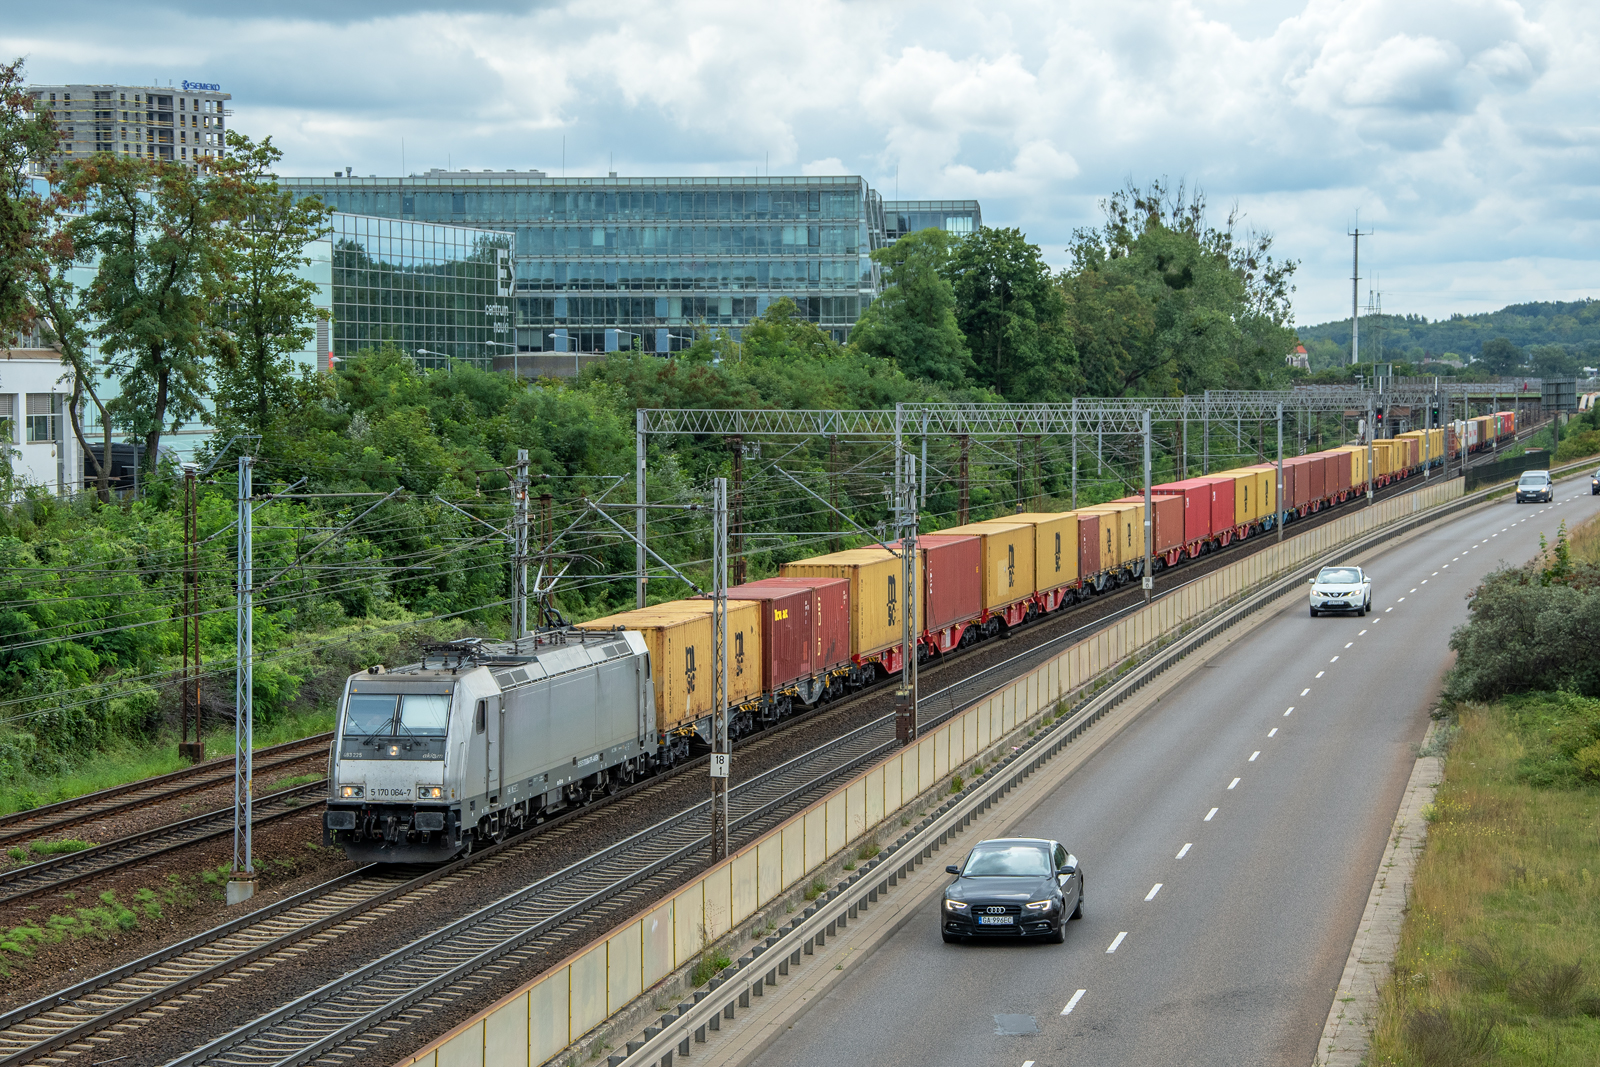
1342 589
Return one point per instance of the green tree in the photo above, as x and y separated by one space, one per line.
1500 356
153 231
1162 302
267 309
1013 316
27 138
914 321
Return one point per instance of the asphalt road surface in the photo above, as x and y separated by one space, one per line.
1228 837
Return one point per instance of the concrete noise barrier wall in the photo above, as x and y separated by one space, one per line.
542 1018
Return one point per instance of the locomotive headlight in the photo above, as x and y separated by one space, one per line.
429 792
352 792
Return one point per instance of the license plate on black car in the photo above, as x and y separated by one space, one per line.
995 920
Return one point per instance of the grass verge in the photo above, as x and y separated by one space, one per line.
132 760
1499 958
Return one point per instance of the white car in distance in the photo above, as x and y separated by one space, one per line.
1341 589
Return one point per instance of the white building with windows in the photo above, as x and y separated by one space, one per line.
35 436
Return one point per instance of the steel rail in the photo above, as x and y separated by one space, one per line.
20 883
118 798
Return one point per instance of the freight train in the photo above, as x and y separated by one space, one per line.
485 738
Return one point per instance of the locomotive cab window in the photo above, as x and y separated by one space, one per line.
483 713
387 714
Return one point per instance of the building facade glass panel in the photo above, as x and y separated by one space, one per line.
690 253
956 217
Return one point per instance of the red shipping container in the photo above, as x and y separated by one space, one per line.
1335 472
1222 513
1316 468
1166 521
1196 493
952 583
1296 482
1088 545
805 626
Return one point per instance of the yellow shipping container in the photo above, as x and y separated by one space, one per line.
875 594
678 634
1055 547
1008 559
1383 457
1121 533
1253 492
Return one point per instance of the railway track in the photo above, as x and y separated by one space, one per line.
397 991
50 818
59 872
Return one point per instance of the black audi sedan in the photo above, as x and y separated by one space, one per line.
1013 887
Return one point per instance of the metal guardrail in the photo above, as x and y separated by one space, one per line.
1501 470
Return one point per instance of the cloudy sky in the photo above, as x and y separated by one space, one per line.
1463 132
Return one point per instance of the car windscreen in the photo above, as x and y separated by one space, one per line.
1533 479
368 714
424 713
1338 576
1019 860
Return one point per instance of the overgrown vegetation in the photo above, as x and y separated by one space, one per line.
1499 959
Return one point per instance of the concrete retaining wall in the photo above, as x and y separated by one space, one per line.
541 1019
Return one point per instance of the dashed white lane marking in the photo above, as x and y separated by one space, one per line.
1184 851
1233 783
1303 692
1286 714
1073 1003
1253 756
1424 582
1027 1063
1210 813
1347 644
1152 894
1274 730
1319 675
1402 600
1435 574
1117 942
1413 590
1453 559
1445 567
1361 634
1387 610
1336 658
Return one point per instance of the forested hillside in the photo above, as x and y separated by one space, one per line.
1551 337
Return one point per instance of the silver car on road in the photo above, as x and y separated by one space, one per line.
1342 589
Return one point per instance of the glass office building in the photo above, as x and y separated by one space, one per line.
436 292
608 263
956 217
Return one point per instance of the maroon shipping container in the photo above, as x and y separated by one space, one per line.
805 626
1196 493
1316 467
1335 472
952 585
1088 545
1296 482
1222 513
1166 521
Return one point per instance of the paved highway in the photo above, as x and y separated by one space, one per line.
1229 838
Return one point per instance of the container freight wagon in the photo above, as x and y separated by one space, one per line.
952 591
875 604
1255 497
805 640
1056 557
1207 514
1091 575
1008 572
1505 425
1121 539
1167 528
678 636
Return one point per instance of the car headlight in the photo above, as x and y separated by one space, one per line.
352 792
1042 905
429 792
955 905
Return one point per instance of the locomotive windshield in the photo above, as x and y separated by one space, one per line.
387 714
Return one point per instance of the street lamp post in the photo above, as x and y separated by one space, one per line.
437 355
516 366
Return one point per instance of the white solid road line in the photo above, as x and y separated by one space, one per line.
1073 1003
1272 731
1233 783
1210 813
1148 897
1117 942
1184 851
1254 754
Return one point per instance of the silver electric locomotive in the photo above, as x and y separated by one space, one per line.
484 738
